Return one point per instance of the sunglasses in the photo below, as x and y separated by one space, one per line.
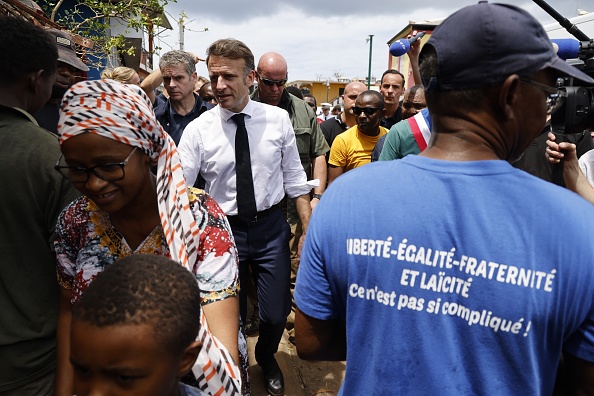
555 96
270 83
416 106
369 111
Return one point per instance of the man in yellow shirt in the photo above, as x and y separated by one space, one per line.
353 147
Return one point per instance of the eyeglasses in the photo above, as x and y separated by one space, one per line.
270 83
369 111
108 172
554 95
416 106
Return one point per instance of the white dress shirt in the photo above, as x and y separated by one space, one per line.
207 147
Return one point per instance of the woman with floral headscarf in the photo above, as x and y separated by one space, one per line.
110 139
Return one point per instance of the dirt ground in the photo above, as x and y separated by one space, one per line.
302 378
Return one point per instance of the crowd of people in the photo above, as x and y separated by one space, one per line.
396 234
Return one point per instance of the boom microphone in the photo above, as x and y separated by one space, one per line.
401 47
567 48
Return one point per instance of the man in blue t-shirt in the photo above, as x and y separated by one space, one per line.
464 276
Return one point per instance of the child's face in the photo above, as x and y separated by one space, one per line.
121 360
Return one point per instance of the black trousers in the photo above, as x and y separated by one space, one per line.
263 245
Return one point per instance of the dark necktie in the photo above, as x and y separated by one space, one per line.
246 201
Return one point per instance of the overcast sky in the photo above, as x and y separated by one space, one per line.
320 38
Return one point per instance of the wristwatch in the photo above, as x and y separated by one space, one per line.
318 196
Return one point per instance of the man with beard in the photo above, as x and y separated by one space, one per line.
353 148
68 65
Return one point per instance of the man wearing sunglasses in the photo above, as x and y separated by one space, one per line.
271 76
375 282
345 120
353 148
409 136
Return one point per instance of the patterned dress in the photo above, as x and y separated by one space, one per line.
86 243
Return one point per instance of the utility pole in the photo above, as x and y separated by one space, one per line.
370 39
181 31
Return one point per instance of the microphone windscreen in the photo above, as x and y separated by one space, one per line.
567 48
399 47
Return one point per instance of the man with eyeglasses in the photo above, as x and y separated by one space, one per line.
470 276
534 162
206 94
32 195
414 101
409 136
271 75
345 120
353 148
313 103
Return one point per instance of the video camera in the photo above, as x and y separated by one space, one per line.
576 115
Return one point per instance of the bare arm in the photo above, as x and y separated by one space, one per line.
151 82
581 375
319 339
303 206
64 372
572 175
333 172
320 172
223 321
413 55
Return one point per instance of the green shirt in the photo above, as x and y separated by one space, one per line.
308 134
32 195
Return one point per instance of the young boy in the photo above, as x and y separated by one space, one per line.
134 329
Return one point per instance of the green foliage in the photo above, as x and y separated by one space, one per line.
90 20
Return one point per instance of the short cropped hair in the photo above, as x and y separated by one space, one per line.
145 289
444 101
412 91
392 71
293 90
311 96
374 93
121 73
177 58
203 87
24 49
232 49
